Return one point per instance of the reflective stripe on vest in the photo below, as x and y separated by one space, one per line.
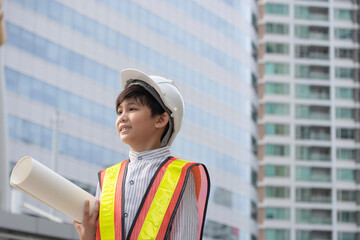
159 204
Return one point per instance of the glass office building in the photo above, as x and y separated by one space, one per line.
309 115
62 64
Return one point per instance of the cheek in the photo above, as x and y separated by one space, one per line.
117 123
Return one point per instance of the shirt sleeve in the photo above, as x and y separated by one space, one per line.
185 225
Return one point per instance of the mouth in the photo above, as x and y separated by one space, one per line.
124 129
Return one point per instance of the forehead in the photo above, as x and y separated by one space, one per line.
130 101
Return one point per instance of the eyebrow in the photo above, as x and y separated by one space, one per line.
129 103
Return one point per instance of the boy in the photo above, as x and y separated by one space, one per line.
151 195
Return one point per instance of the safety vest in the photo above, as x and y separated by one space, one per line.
158 207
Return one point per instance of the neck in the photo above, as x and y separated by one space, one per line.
145 147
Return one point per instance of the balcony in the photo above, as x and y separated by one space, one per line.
313 195
313 216
313 153
312 92
313 133
312 13
313 174
312 112
312 32
312 72
312 52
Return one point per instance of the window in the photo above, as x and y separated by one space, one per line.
347 217
313 216
345 154
313 235
277 171
343 14
312 92
313 195
347 73
346 195
215 230
277 213
222 197
346 235
312 112
313 174
347 175
277 28
313 133
343 33
312 52
277 68
345 133
344 53
313 153
277 88
277 192
278 48
344 93
345 113
277 234
312 72
312 32
277 129
277 109
278 9
311 13
277 150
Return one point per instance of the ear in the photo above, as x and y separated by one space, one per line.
162 120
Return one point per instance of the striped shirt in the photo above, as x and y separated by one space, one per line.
141 168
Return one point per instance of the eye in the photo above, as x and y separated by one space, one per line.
119 112
132 109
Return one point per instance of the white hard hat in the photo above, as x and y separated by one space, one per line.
165 92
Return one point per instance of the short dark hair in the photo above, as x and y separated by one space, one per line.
142 96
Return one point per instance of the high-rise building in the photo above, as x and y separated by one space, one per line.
62 64
309 120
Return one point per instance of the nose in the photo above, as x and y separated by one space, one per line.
122 117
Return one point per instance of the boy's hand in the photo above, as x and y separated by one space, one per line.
87 228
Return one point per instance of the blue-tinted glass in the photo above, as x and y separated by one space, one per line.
40 47
96 153
27 41
67 17
99 73
85 151
78 22
65 58
55 11
101 33
85 107
52 53
47 138
62 100
97 113
89 68
50 95
24 85
73 104
11 79
37 90
77 62
14 35
89 28
42 7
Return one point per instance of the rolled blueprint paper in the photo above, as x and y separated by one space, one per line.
44 184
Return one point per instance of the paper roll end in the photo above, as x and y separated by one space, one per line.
21 170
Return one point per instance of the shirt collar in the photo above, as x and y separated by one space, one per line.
159 153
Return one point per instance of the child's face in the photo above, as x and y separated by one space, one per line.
135 125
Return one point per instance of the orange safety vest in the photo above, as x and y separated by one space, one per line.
158 207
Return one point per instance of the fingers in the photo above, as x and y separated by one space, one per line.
86 209
95 213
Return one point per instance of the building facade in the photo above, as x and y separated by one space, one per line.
62 64
309 120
